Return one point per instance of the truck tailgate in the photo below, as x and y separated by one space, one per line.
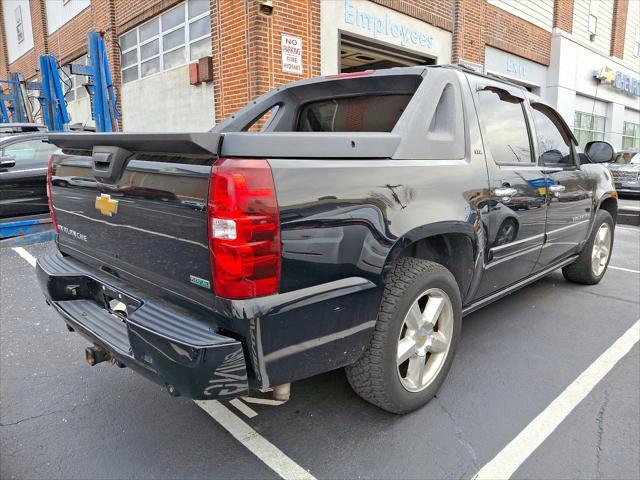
135 206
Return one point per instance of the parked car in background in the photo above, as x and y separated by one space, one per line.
625 170
23 174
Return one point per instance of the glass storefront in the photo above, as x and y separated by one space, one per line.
588 127
630 136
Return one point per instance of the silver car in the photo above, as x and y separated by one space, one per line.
625 170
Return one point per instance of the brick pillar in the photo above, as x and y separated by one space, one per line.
563 15
619 26
230 34
314 40
247 48
39 27
214 6
468 31
103 13
258 52
4 53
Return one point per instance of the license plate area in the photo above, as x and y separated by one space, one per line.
116 302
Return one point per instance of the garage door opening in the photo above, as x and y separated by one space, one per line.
358 54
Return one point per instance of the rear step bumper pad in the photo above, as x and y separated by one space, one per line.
162 343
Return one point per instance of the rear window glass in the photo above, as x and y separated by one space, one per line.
363 113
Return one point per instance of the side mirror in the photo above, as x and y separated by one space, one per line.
7 161
600 152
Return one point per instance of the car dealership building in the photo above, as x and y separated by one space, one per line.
185 65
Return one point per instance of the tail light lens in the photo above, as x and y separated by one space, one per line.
244 228
49 196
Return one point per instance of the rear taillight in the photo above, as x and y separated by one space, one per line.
49 196
244 228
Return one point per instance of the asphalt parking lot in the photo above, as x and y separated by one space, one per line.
60 418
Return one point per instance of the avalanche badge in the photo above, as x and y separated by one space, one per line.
106 206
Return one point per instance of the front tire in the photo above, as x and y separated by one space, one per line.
594 258
414 340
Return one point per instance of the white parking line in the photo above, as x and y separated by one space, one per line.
624 269
254 442
630 229
26 255
247 410
263 401
513 455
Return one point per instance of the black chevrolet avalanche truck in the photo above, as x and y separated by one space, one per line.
344 221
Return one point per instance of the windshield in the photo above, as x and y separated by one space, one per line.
625 158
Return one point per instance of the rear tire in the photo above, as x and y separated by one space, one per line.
411 350
594 258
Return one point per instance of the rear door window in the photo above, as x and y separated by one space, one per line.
502 116
364 113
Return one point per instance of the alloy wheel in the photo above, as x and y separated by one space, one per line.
601 249
425 340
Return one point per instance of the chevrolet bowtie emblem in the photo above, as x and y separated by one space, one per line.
606 75
106 206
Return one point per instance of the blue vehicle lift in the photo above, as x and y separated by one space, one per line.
4 112
16 111
51 96
19 231
100 87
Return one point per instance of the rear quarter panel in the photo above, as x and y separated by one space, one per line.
342 218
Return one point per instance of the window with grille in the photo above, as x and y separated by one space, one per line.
177 36
588 127
630 136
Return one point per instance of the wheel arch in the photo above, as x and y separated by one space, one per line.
609 202
454 245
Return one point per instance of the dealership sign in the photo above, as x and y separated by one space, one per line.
385 26
618 80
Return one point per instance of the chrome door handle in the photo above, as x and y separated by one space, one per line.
505 192
557 188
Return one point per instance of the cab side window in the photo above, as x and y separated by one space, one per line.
502 116
554 145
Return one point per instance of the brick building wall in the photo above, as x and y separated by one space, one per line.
4 53
247 45
39 25
70 41
618 29
563 15
477 24
436 12
468 31
515 35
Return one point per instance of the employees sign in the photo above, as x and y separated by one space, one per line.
291 54
385 27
